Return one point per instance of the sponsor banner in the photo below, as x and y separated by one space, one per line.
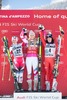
38 96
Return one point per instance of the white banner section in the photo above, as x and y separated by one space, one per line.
38 96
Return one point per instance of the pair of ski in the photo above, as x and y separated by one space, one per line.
57 59
7 51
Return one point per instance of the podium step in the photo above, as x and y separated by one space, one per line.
38 96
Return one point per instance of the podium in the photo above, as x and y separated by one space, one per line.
38 96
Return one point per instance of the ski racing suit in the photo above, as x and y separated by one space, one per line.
31 61
49 60
18 61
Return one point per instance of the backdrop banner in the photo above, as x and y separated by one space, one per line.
11 24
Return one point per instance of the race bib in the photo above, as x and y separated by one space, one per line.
17 50
50 50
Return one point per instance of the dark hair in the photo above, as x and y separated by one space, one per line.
51 41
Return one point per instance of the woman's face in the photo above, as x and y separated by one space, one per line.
49 39
15 41
32 37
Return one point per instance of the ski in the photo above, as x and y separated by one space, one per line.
39 64
41 28
57 59
5 40
55 72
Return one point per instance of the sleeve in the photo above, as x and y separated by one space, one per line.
10 49
21 35
42 36
23 38
11 52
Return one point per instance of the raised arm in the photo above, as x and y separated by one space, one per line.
42 33
23 35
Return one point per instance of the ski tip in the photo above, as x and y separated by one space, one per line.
4 38
61 29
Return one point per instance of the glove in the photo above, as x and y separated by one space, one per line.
41 27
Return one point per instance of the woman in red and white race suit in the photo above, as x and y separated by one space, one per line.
49 55
31 58
17 51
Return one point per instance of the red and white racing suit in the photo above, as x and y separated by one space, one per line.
17 51
49 58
